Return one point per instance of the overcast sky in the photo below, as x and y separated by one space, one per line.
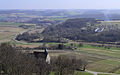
59 4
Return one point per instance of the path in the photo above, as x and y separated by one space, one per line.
96 73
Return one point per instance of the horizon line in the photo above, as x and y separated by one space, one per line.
60 9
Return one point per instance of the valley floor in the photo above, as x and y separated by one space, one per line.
100 60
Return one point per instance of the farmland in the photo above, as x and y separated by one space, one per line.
8 33
10 24
78 73
9 30
100 59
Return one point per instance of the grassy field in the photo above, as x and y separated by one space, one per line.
77 73
102 48
104 65
8 33
10 24
118 71
99 59
109 23
104 74
108 59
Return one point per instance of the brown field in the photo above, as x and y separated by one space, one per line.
8 33
98 60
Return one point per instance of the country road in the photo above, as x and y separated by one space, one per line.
91 55
96 73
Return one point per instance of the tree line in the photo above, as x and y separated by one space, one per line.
81 29
15 62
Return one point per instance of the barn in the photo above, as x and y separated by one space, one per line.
42 54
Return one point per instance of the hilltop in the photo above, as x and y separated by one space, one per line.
79 29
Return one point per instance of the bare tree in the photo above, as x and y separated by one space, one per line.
64 65
42 67
13 62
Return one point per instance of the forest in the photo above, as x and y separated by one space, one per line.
15 62
79 29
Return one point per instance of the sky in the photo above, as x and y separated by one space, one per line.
59 4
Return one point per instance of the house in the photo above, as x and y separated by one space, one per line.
99 30
44 55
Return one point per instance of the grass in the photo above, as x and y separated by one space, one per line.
8 33
55 19
104 74
25 43
101 59
77 73
104 66
114 48
102 48
110 23
82 73
109 53
98 60
95 47
31 45
118 71
104 62
10 24
109 63
98 63
52 73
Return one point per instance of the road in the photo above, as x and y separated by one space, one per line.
96 73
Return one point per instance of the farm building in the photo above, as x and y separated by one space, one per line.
42 54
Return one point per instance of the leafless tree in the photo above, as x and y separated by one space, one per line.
64 65
13 62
